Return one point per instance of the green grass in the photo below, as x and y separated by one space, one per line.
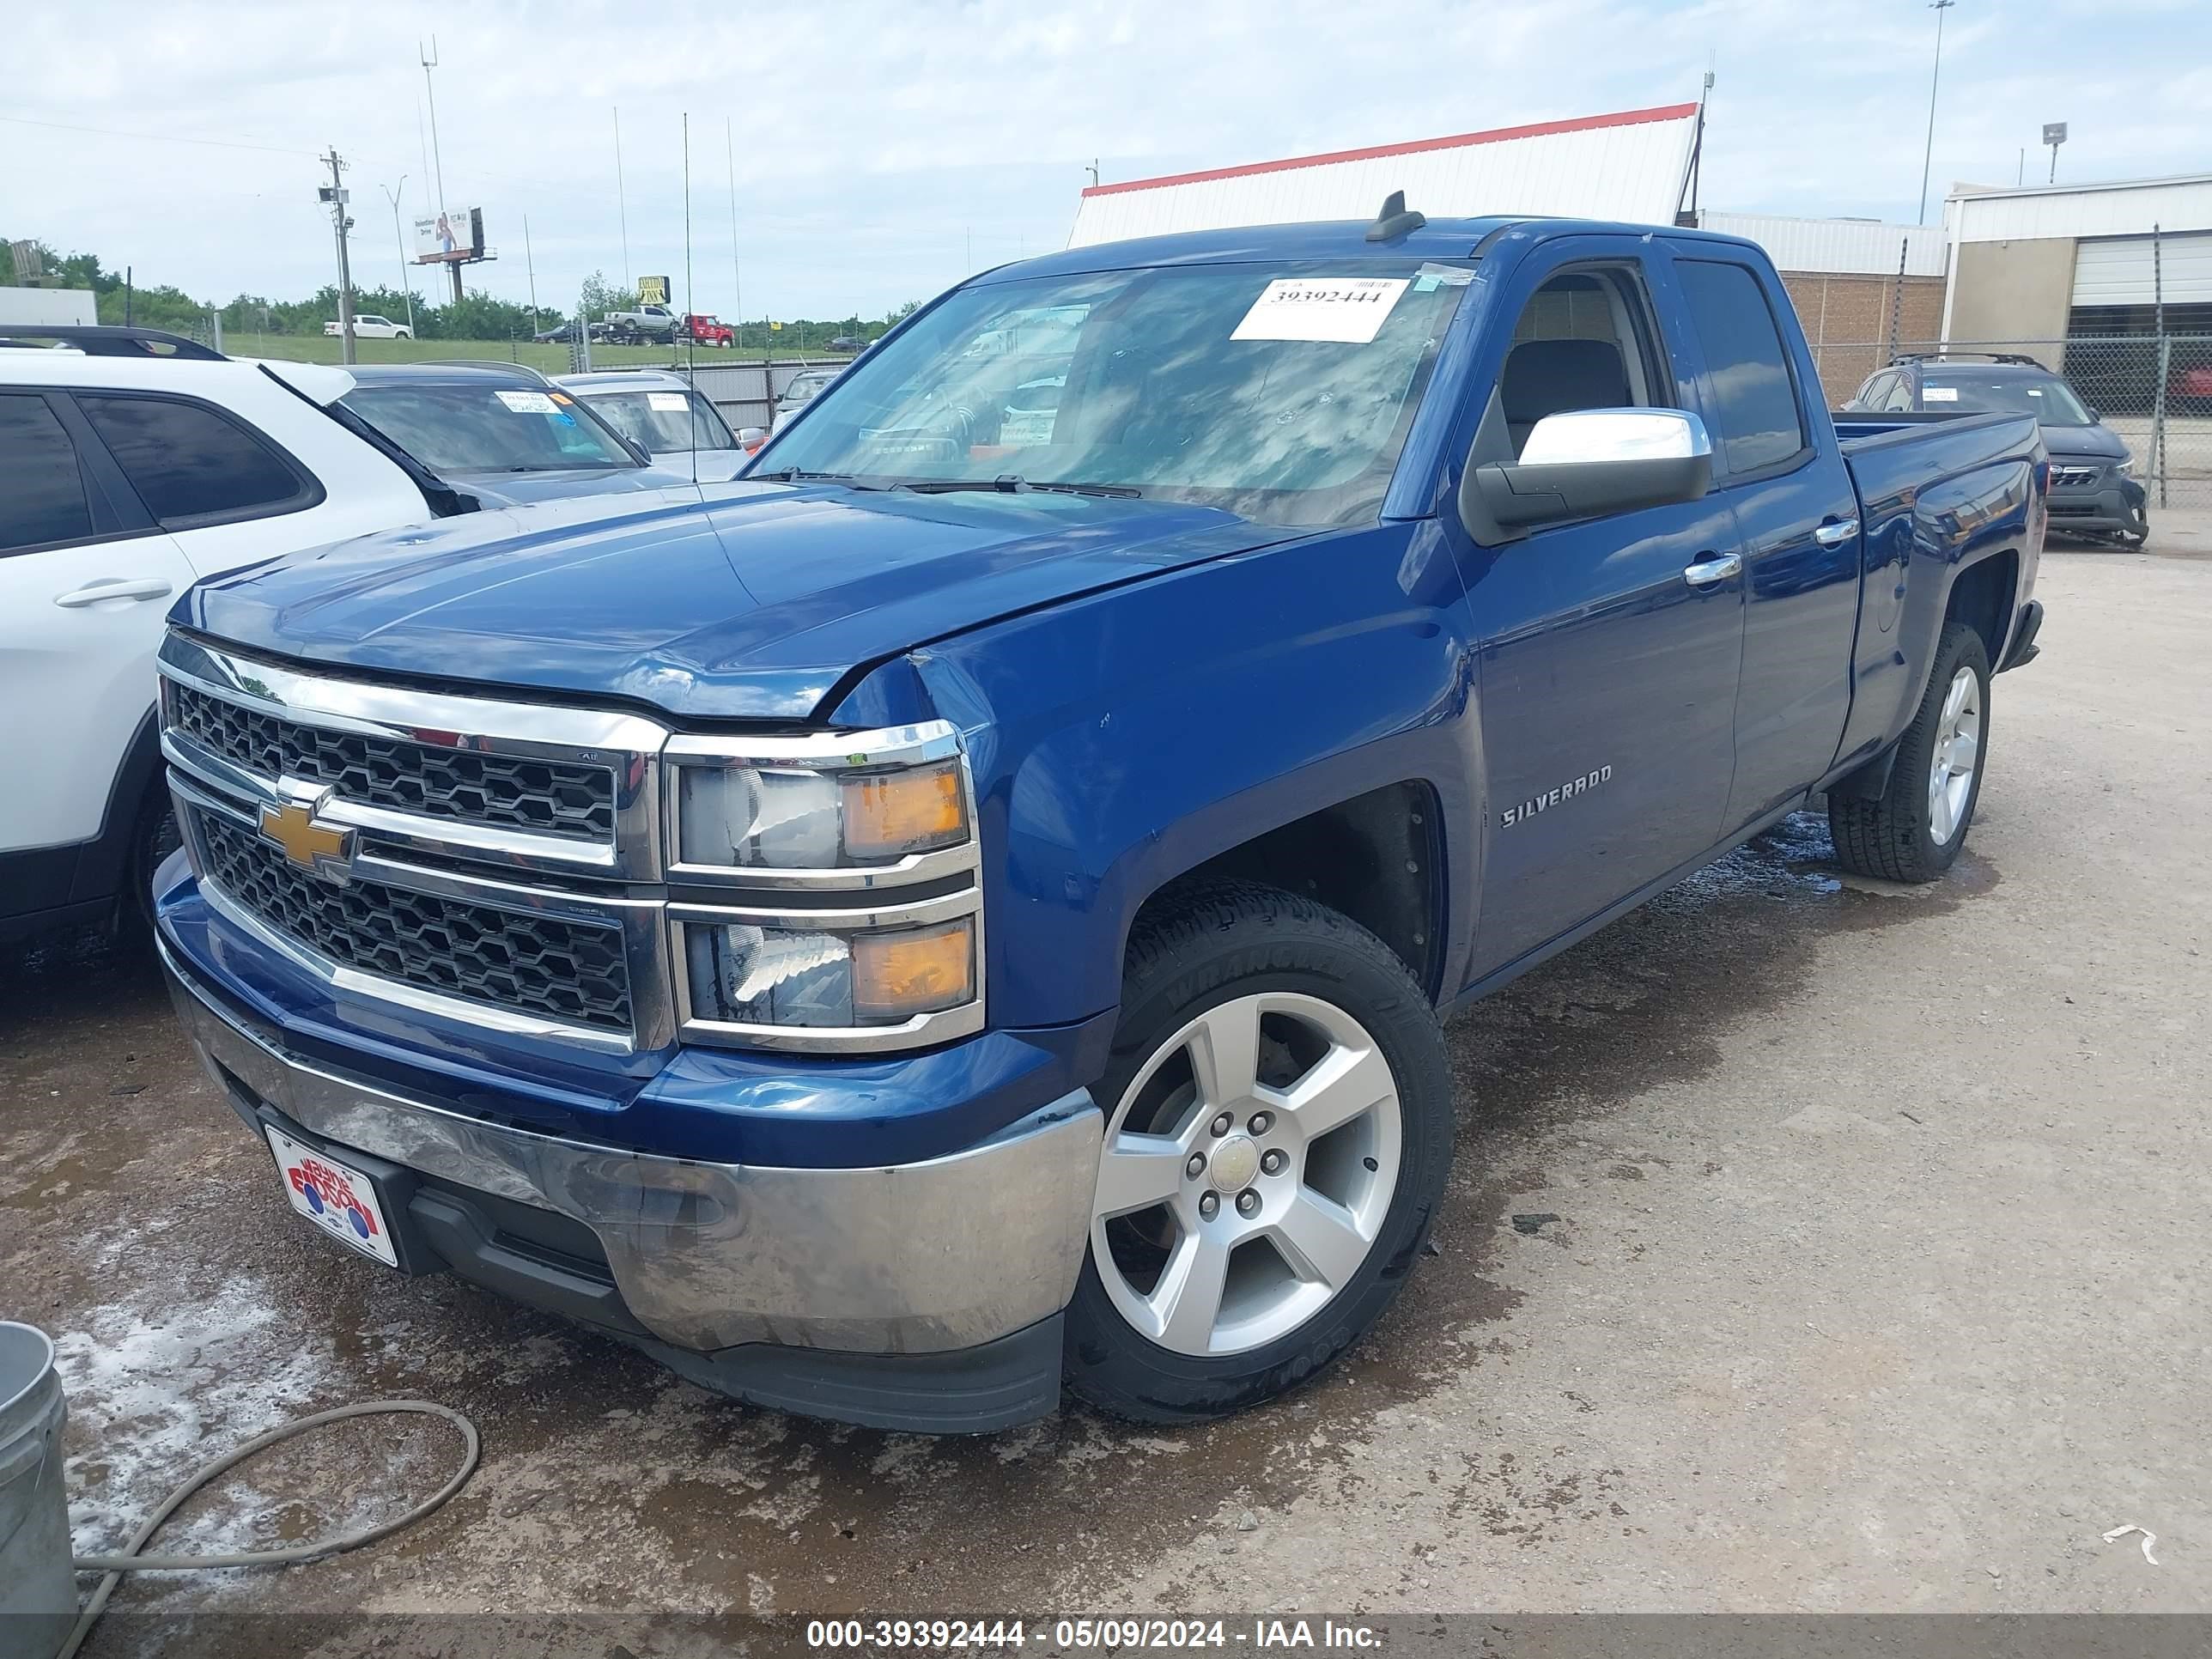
551 359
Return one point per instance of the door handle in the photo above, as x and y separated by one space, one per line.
113 588
1836 533
1707 572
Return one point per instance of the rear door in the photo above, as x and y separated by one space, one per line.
86 577
1609 675
1777 466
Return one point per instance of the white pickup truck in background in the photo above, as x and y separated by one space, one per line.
373 328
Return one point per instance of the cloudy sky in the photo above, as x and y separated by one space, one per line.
883 150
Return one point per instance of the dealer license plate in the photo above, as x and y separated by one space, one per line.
337 1197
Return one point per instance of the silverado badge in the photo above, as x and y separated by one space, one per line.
1571 787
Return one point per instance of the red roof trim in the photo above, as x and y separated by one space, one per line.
1627 118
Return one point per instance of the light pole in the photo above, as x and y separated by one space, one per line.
399 245
1939 7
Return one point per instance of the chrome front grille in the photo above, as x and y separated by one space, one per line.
509 792
528 964
500 863
2074 477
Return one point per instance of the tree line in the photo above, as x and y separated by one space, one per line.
477 317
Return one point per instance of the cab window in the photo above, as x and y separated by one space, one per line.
1583 341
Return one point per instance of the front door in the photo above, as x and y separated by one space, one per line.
1609 647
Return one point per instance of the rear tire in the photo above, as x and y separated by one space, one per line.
1205 1292
1914 831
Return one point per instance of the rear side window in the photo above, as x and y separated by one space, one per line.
41 491
190 464
1759 421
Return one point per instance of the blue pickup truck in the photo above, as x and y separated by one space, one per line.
967 910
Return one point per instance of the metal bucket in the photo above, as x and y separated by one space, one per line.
38 1592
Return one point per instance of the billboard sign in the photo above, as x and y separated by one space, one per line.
652 290
449 236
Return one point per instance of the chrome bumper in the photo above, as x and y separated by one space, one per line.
917 1258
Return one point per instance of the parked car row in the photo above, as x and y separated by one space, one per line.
133 464
966 910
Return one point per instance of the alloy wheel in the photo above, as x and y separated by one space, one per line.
1246 1173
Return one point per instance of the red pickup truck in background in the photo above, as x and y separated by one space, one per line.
706 330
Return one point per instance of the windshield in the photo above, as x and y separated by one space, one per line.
1281 392
803 386
663 423
485 429
2050 401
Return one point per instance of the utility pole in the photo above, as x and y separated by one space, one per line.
399 243
621 206
437 157
430 62
737 278
530 263
335 194
1928 154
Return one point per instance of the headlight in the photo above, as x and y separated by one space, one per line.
788 804
742 973
2126 468
845 821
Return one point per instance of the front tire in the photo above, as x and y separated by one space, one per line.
1279 1128
1915 830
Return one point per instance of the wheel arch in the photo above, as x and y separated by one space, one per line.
1373 857
1984 596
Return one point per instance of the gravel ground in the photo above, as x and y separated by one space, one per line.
1876 1283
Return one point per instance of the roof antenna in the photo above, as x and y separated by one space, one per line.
1395 220
690 341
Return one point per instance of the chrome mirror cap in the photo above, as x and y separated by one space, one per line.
1579 437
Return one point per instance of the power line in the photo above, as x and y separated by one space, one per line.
159 139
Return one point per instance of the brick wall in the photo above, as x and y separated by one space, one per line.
1847 319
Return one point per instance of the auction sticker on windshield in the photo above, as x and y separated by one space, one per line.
337 1197
665 403
528 403
1345 310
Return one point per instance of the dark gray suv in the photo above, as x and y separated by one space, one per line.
2094 488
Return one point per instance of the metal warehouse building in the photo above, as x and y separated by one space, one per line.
1633 165
2043 262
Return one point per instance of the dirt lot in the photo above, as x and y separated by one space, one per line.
1878 1280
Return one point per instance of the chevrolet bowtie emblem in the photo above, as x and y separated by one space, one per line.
326 849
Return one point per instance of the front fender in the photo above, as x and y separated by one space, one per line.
1122 739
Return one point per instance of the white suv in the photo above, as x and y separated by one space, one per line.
132 464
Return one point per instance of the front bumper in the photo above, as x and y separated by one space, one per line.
2114 506
923 1295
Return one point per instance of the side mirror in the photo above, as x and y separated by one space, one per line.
1587 462
750 438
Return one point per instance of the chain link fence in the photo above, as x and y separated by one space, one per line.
2154 390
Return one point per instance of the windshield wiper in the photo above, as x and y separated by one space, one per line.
1012 485
800 475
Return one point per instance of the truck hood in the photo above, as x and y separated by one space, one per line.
742 600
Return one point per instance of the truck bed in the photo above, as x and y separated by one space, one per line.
1934 492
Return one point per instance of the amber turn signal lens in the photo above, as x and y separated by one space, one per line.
917 970
888 814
